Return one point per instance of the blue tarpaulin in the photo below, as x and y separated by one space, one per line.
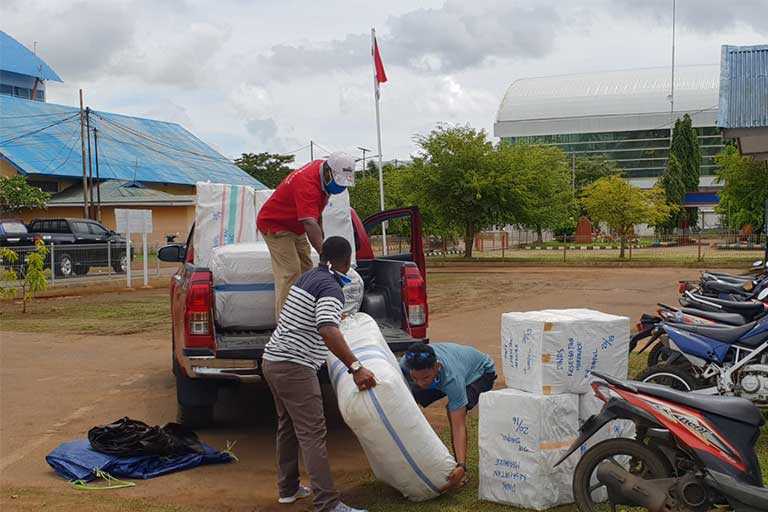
76 460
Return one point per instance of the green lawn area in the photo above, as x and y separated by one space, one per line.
103 314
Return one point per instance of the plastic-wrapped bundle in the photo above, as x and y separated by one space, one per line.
337 220
521 437
224 214
243 286
553 351
353 293
401 446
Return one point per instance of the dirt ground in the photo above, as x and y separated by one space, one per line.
54 386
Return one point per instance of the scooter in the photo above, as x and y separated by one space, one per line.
691 453
717 360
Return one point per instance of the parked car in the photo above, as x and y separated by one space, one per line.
13 233
79 244
206 356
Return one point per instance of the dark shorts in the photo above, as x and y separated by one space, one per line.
425 397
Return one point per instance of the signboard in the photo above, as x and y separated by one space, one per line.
133 221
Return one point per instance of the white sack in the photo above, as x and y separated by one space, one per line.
224 214
260 197
553 351
243 286
402 448
353 293
521 437
337 220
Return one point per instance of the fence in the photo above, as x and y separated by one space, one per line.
84 263
709 247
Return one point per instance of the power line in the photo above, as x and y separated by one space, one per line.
33 132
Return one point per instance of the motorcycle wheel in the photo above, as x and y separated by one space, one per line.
677 377
660 354
633 456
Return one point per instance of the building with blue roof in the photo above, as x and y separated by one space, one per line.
134 162
744 98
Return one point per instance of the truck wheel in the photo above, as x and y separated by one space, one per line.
121 266
82 270
195 417
65 266
196 398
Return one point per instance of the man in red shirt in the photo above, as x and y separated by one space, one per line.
290 219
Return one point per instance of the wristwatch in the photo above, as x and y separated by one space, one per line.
461 465
354 367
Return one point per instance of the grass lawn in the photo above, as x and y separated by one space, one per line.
102 314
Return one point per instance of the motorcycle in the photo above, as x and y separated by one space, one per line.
715 359
691 452
727 286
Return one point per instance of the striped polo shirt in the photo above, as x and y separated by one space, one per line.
316 300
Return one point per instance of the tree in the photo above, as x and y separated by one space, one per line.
17 194
545 178
591 168
745 191
35 276
620 205
269 168
8 259
463 181
682 173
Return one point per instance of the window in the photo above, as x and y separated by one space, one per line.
46 186
81 228
6 89
98 230
40 95
22 92
62 227
13 227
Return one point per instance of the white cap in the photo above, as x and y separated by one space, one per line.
343 168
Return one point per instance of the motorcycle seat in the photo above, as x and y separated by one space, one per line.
739 409
724 318
731 306
718 333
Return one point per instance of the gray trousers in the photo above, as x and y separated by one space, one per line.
300 426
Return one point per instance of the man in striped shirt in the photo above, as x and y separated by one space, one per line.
307 328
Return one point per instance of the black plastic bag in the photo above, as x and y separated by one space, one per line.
133 437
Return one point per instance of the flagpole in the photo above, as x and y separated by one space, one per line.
378 136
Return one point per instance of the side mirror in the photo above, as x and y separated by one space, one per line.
175 253
763 295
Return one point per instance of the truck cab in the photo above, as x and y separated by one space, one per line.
205 355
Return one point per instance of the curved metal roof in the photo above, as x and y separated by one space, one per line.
17 58
635 91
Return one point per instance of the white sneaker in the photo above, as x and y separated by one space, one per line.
342 507
303 492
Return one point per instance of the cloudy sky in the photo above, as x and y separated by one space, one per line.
262 75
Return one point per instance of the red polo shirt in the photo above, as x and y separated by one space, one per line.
300 196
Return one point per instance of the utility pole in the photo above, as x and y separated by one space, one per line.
98 183
86 212
364 150
672 84
311 150
90 162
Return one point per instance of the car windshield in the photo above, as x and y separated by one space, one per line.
14 228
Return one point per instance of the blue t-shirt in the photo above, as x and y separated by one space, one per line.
461 366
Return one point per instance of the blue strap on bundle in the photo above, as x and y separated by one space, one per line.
76 460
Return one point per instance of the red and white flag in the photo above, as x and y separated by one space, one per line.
381 75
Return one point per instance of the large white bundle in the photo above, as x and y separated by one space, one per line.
243 286
337 219
224 214
401 446
553 351
521 437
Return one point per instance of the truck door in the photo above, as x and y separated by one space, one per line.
403 235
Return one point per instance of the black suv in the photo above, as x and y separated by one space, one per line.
13 233
79 244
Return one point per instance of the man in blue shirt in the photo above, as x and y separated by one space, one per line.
457 371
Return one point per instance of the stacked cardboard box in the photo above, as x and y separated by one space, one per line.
547 359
